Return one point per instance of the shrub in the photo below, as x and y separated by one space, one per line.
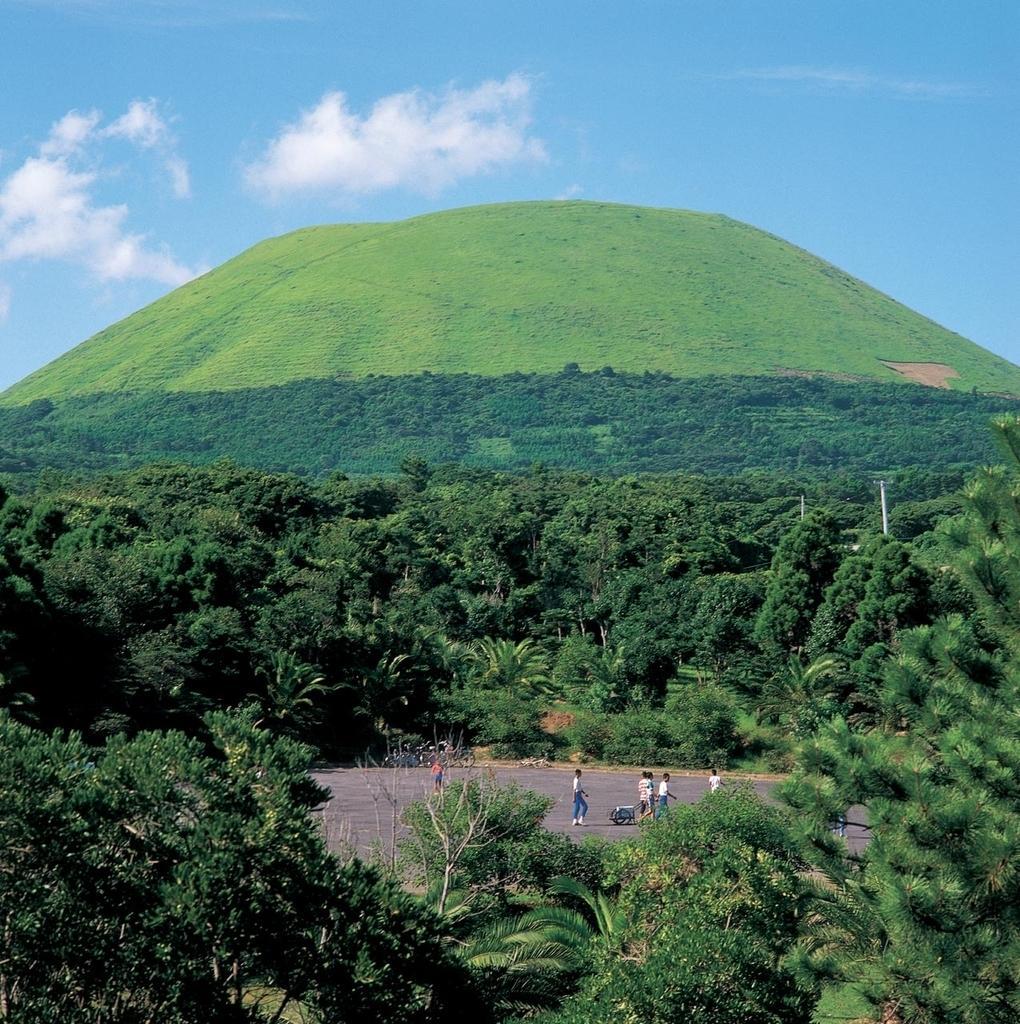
713 898
590 735
541 856
506 722
641 737
505 828
696 729
703 722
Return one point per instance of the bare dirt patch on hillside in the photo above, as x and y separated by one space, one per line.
935 375
553 722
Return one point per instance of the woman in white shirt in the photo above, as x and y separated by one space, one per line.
580 804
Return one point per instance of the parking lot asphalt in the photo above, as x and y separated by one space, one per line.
363 811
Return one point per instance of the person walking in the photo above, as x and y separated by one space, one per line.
645 801
714 780
437 776
664 795
580 804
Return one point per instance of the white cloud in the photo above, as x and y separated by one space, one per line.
140 124
411 139
144 126
70 133
49 210
5 301
180 179
857 80
571 192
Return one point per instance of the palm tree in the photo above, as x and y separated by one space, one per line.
453 655
519 668
381 687
607 680
291 689
528 959
607 920
533 955
799 685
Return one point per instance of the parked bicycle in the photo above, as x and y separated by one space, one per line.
455 755
407 755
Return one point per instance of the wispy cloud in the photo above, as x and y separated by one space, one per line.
571 192
414 140
144 125
5 301
857 80
180 177
70 134
49 210
181 14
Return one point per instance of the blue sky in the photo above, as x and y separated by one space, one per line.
143 141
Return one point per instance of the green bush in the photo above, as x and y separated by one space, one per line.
506 722
590 735
536 859
158 878
509 835
704 724
641 737
696 729
713 898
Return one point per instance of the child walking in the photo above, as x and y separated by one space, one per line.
664 795
645 801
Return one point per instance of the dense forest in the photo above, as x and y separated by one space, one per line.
662 616
605 422
206 631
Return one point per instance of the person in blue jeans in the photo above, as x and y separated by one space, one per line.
580 804
664 795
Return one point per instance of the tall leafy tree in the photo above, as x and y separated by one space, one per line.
163 879
804 565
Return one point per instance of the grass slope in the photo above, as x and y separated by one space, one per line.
517 287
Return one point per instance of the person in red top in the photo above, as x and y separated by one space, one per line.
437 775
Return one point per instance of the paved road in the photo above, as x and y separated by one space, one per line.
365 806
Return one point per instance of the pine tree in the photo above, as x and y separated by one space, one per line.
926 920
803 567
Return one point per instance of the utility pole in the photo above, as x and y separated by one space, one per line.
885 514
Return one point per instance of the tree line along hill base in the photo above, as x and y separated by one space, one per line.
603 422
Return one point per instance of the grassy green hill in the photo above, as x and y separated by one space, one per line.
523 287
